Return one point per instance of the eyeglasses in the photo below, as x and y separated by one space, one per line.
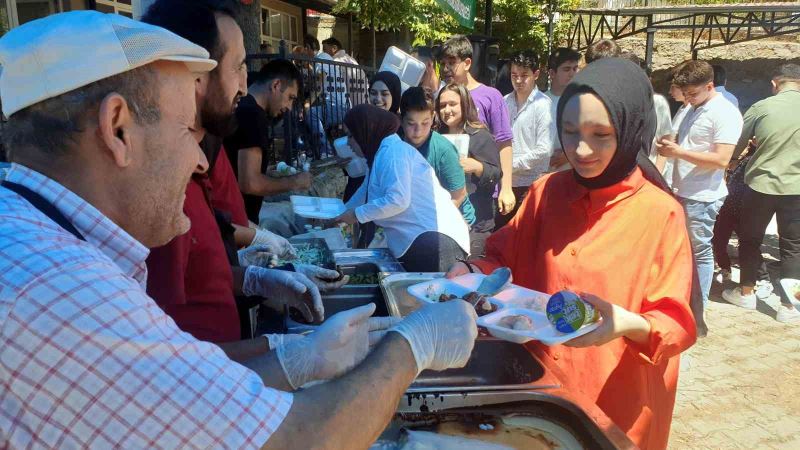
451 64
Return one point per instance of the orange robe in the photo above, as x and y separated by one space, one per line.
628 245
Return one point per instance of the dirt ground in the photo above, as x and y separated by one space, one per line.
739 386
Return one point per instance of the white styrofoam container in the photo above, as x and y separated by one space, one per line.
357 167
409 69
542 331
317 207
461 143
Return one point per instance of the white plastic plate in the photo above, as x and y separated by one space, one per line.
429 291
542 330
317 207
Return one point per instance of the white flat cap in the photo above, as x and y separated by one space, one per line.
60 53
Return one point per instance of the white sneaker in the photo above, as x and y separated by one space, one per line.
787 314
723 276
734 297
763 289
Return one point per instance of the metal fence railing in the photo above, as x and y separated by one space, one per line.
618 4
330 88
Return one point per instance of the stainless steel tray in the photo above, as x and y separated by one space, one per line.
495 365
381 257
394 288
587 424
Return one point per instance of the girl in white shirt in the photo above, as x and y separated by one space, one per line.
401 193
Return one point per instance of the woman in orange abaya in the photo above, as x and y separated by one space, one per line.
610 230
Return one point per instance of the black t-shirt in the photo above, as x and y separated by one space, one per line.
254 130
483 148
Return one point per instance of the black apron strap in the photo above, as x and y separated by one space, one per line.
44 206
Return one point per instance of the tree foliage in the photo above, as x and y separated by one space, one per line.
517 24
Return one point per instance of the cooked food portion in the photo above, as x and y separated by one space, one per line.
481 303
516 322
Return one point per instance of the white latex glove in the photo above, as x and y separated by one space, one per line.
281 287
441 335
257 255
323 278
281 247
338 345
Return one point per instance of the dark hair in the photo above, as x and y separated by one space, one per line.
279 69
194 20
332 41
562 55
416 99
48 126
720 76
526 59
634 58
457 46
311 42
787 73
693 73
604 48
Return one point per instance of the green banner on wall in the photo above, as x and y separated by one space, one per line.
461 10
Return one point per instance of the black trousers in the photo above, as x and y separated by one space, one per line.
758 210
432 252
728 223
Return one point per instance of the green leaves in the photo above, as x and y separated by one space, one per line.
517 24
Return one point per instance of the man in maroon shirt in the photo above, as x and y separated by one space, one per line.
191 277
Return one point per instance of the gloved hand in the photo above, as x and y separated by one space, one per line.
257 255
338 345
441 335
281 247
324 279
282 287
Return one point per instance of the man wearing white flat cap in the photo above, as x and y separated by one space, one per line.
101 113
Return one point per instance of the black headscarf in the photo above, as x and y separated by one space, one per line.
625 90
369 125
391 81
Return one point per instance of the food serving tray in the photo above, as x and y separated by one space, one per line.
512 300
317 207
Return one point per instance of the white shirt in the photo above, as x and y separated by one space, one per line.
728 95
676 123
333 83
553 107
663 123
406 199
532 146
716 122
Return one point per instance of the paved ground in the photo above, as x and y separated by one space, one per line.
740 387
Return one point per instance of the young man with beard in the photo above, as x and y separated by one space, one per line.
270 96
191 277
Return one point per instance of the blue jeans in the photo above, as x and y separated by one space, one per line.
700 219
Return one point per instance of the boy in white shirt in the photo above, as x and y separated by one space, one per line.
706 139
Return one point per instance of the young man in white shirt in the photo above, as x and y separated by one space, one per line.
720 80
531 119
706 139
562 67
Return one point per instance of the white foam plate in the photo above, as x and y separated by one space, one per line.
542 330
317 207
512 296
440 286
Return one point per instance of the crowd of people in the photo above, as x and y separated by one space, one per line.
133 250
